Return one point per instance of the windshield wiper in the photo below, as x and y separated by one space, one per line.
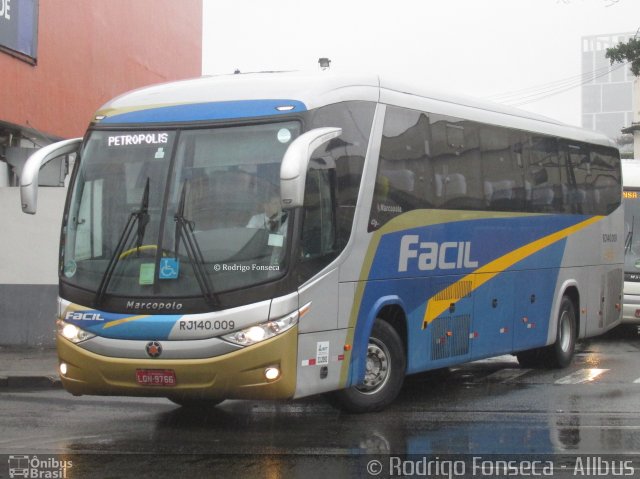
141 217
629 238
184 230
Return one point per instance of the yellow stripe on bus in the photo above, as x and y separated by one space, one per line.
111 324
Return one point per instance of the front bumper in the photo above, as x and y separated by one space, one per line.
236 375
631 309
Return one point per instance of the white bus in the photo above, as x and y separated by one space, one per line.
279 235
631 192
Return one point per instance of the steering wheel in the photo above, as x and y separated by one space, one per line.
144 249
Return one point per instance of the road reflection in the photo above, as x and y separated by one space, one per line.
475 409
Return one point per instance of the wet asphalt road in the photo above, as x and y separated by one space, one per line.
487 407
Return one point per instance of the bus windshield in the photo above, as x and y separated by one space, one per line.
177 213
632 231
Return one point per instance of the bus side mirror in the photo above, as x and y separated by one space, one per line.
31 170
293 171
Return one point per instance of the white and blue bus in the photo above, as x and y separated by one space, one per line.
631 193
279 235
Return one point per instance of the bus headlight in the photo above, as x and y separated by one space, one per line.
72 332
261 332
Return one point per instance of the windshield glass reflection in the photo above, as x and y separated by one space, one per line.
181 214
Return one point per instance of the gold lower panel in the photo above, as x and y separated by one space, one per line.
237 375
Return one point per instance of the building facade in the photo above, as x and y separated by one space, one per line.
59 62
607 95
634 127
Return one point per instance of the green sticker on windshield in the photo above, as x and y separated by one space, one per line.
147 271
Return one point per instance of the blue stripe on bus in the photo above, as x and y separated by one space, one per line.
224 110
489 239
127 326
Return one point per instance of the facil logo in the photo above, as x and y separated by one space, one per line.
83 316
428 255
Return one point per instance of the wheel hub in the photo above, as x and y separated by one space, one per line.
565 332
377 367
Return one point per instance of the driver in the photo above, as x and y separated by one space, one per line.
272 219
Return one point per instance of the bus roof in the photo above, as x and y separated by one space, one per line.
260 94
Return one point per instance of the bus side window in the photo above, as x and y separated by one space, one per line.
502 169
348 152
604 179
319 219
577 189
456 160
402 181
87 222
542 176
593 179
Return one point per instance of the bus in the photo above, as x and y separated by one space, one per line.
631 193
281 235
18 466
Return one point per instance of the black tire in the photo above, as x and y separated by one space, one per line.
529 359
194 403
560 354
386 365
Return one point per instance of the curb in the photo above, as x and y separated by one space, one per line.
30 382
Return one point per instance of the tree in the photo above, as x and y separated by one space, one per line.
626 52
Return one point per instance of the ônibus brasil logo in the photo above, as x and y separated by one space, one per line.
41 468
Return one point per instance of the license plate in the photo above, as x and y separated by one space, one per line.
156 377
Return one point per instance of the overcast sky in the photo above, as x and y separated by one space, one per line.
481 48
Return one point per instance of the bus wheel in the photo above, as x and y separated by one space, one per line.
194 403
560 354
384 374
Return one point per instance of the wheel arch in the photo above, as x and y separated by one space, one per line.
395 315
390 309
570 289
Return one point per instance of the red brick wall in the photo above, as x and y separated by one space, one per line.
92 50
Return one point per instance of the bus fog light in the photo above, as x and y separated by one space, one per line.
272 373
63 369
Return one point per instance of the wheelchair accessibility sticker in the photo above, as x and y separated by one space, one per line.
169 268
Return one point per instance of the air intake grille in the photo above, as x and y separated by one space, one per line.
457 290
450 336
